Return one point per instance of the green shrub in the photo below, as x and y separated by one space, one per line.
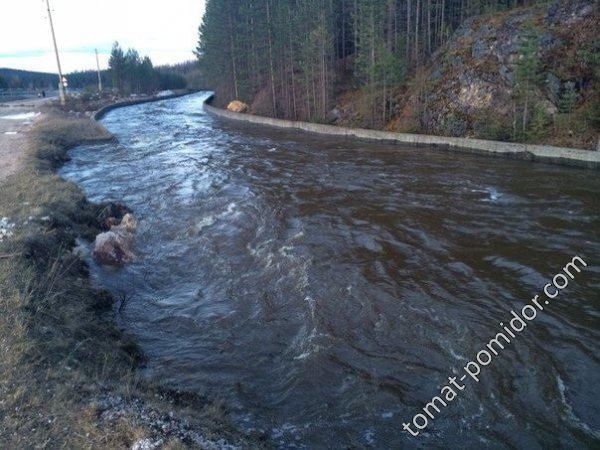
538 126
568 98
490 125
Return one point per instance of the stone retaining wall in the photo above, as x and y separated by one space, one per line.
106 109
541 153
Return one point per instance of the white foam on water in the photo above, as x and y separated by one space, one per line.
494 194
211 219
303 355
286 251
456 355
10 132
285 429
369 436
206 222
298 235
230 208
571 417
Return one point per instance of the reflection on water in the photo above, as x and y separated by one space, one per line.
326 289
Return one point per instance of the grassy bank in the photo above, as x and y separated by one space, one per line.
68 377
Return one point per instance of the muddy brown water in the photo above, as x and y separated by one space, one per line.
326 289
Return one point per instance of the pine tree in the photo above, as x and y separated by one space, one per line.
527 74
538 125
116 64
568 98
285 53
130 73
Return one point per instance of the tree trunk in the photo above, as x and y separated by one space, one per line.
323 64
372 74
271 71
233 62
429 27
408 14
292 66
417 31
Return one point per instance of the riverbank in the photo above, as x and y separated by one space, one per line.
538 153
522 72
68 375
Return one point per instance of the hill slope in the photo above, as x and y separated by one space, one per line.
15 78
470 86
518 70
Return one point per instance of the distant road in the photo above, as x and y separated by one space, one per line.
15 116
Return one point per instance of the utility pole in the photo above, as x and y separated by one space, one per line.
98 67
61 88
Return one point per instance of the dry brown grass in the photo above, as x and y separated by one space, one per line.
56 348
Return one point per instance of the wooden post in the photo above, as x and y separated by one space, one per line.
61 88
98 68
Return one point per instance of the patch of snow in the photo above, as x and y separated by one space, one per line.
6 228
146 444
22 116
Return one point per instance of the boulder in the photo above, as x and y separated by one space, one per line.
506 74
111 209
548 107
553 86
128 223
111 222
334 115
237 106
113 248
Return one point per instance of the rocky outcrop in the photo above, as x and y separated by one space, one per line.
128 223
468 88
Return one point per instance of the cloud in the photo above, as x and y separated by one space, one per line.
165 31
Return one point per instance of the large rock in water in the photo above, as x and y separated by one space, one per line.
237 106
128 223
113 248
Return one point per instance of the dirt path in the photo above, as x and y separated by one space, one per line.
15 117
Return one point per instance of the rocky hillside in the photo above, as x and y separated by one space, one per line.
529 74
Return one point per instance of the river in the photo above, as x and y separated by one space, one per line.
326 289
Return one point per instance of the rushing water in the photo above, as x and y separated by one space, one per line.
327 289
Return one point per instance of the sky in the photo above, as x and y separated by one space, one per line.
165 30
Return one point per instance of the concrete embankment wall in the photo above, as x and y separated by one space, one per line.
136 101
541 153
